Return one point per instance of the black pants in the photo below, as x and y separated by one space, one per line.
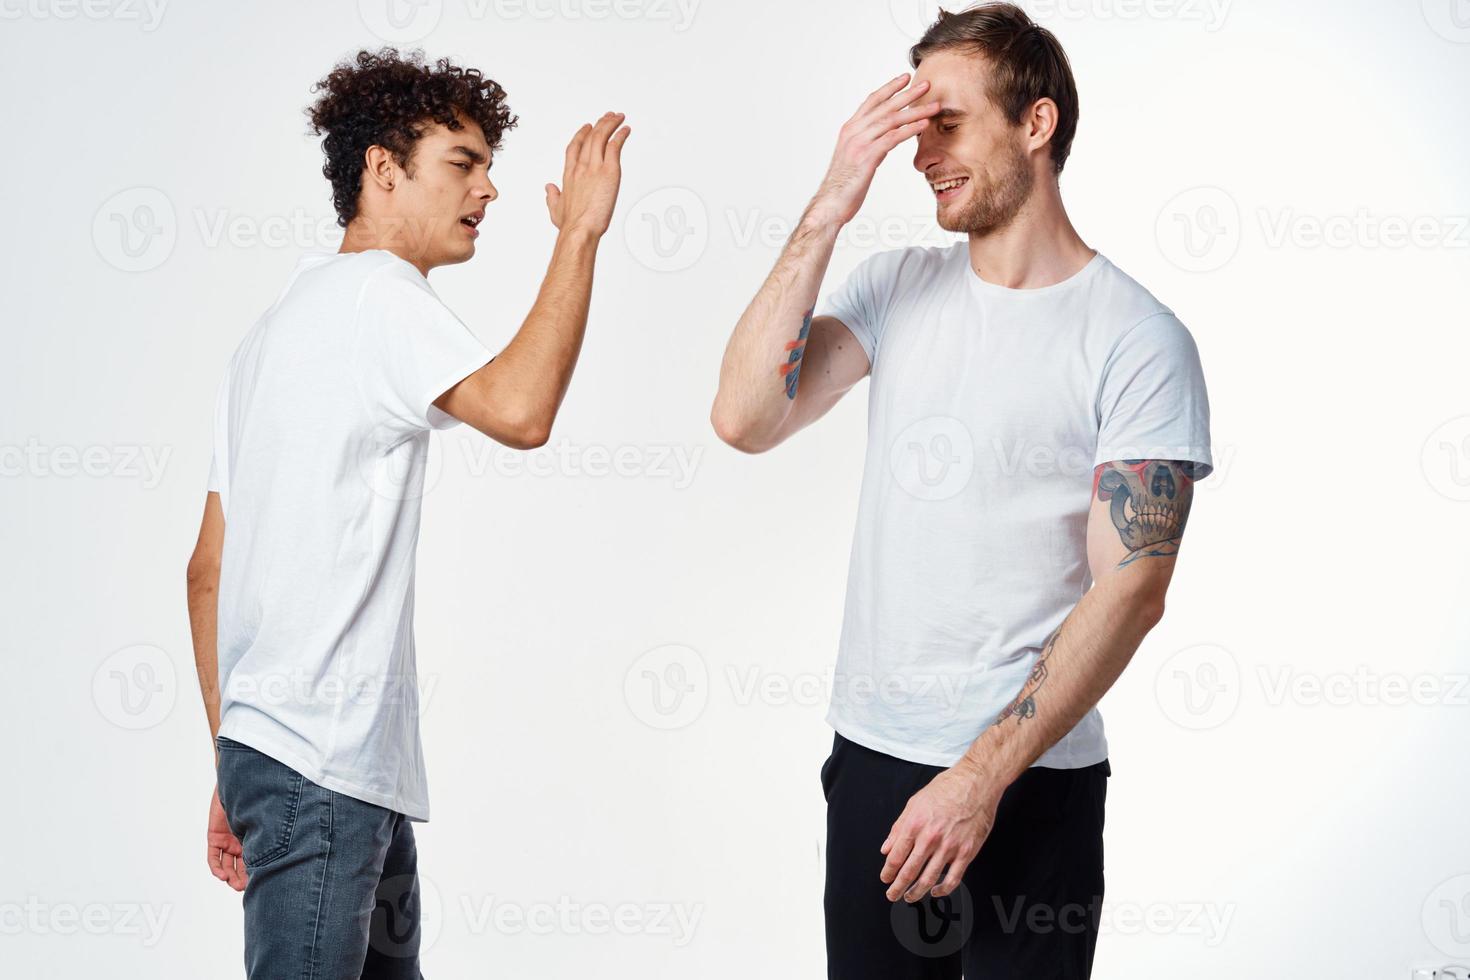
1031 900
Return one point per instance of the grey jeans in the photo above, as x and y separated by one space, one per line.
333 891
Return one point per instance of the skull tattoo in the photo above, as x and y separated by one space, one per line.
1150 503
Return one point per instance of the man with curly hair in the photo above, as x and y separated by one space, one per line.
301 585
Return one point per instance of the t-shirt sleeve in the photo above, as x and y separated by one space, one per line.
410 350
1152 402
219 460
862 300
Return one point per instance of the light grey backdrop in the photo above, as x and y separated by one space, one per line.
625 637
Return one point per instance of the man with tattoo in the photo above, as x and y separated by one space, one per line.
301 585
1036 422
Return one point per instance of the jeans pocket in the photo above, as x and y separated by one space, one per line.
261 798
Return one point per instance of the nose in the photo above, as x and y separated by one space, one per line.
926 153
486 192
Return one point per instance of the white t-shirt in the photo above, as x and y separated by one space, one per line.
321 434
988 409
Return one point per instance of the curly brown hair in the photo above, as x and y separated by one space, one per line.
384 98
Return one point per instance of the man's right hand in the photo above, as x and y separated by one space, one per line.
888 117
589 185
226 857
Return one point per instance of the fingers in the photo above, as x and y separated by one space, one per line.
896 136
602 132
910 871
927 880
953 877
897 849
615 145
574 152
884 92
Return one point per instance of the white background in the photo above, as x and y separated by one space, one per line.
1290 178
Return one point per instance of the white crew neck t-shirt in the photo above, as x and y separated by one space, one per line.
987 411
321 434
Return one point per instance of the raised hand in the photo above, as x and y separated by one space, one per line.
589 185
887 118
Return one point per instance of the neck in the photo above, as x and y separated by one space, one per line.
1038 247
363 234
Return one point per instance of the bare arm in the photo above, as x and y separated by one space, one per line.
1135 524
514 399
784 369
223 852
203 589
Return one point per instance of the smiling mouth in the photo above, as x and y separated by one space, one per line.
949 187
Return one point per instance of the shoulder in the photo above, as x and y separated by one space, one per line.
1129 313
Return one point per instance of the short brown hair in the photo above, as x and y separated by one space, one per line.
1027 63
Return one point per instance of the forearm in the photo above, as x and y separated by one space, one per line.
535 368
762 362
1079 663
203 590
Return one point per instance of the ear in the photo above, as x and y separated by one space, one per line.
1041 123
380 167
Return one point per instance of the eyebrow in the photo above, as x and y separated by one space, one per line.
475 155
949 113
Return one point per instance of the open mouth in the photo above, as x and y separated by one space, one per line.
472 222
948 188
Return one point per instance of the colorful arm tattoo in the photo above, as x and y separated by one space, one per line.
791 368
1150 503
